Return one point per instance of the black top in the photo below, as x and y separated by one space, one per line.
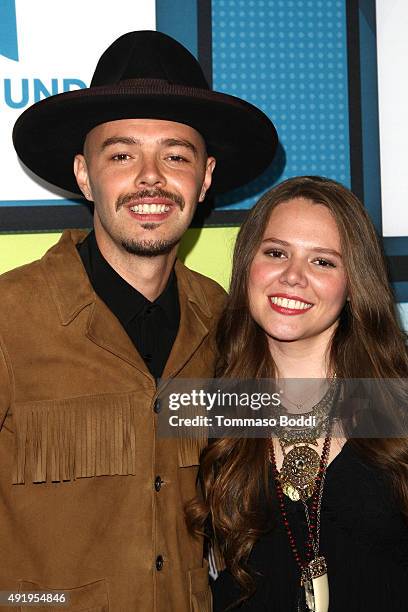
363 538
152 326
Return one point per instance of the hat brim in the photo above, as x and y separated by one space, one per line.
49 134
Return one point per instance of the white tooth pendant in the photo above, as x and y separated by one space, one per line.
315 585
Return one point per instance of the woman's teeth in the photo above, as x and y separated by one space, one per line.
293 304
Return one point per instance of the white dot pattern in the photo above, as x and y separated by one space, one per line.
289 58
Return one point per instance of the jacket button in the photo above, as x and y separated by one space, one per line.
158 483
157 406
159 563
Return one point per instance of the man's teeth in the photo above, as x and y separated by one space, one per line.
150 209
294 304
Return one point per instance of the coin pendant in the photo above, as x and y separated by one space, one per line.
299 470
290 491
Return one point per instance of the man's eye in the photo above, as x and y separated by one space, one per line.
176 158
121 157
324 263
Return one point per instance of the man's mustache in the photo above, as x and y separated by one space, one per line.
149 193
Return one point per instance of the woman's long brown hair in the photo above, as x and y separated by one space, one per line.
368 343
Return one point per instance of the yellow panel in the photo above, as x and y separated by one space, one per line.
18 249
207 250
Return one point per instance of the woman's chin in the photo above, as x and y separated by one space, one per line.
285 335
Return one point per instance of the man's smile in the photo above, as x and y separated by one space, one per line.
150 205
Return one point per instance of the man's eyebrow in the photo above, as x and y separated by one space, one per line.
113 140
325 250
179 142
167 142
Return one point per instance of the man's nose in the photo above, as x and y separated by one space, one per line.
149 173
294 273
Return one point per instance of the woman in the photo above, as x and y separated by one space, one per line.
309 300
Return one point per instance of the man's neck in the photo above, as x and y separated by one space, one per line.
149 275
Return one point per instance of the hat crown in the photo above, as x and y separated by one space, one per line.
145 75
148 55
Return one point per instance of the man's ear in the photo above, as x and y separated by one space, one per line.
209 169
82 177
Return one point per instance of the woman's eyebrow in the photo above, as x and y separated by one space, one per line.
272 239
325 250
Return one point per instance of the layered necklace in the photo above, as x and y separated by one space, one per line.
301 464
314 591
302 479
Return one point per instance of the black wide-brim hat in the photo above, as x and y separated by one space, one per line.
146 75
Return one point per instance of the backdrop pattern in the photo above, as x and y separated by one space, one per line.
289 57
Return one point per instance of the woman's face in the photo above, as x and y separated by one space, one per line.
297 283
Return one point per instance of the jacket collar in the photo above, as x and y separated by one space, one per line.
195 315
69 284
72 292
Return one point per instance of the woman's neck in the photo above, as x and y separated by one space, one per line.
301 358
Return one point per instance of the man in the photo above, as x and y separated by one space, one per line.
91 500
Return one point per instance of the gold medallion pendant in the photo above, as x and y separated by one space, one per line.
298 473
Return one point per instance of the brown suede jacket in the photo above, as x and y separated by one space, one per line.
91 500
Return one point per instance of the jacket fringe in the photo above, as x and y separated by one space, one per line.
192 440
66 440
202 601
189 450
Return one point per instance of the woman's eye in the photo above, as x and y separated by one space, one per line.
324 263
275 253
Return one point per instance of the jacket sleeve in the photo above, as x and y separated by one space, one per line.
5 386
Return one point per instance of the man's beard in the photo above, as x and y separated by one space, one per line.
149 248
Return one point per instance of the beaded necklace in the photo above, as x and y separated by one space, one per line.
314 594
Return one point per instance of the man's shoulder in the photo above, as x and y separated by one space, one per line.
22 292
20 277
28 283
205 282
198 283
